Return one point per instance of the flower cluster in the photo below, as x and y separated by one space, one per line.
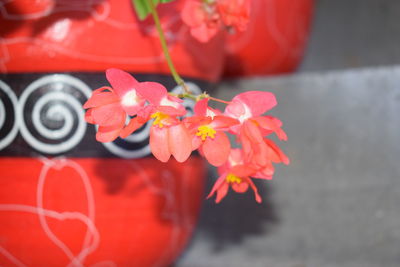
206 131
207 17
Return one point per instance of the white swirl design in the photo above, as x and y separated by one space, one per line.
57 112
139 136
54 104
144 133
3 115
125 153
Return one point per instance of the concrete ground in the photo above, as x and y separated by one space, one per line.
353 34
338 202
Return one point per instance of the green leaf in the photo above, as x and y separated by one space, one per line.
143 9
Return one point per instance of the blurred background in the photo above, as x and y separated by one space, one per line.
338 202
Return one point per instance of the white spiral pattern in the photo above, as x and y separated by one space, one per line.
52 106
3 115
57 112
144 133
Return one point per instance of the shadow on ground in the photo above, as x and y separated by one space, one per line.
237 216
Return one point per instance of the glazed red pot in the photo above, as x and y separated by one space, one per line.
96 212
65 199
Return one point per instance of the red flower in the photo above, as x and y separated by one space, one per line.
207 17
202 18
247 108
207 133
234 13
168 135
250 104
236 174
108 107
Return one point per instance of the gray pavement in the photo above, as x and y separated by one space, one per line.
353 33
338 202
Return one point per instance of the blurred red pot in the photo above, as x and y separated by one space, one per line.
274 41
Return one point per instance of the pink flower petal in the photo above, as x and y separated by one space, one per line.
134 107
266 121
203 20
252 132
200 109
205 33
108 115
101 99
145 113
171 105
266 172
171 110
104 89
218 183
196 142
152 92
256 195
133 125
246 147
193 122
253 144
216 150
240 187
223 122
174 99
159 143
257 101
89 117
236 109
180 143
121 81
224 168
234 13
272 124
104 134
282 157
236 155
192 14
221 192
243 170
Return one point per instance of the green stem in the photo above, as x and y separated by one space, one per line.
219 100
164 46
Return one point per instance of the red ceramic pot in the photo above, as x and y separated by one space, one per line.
96 212
66 200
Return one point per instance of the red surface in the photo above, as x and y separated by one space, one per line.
96 35
144 210
274 41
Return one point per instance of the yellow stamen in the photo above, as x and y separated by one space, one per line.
205 131
231 178
158 118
